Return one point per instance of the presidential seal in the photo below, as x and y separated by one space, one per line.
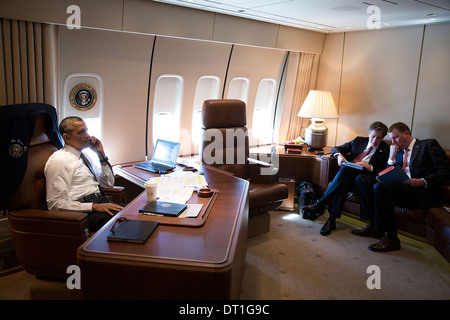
17 148
83 97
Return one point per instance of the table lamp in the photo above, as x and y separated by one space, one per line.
318 106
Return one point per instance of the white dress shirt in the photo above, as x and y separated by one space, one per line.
408 159
69 179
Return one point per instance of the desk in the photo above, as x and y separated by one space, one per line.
176 262
304 166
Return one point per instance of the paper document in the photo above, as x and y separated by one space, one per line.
195 181
192 211
178 186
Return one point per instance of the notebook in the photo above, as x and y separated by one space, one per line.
136 231
392 174
163 159
170 209
353 165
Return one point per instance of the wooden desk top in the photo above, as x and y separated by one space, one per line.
210 246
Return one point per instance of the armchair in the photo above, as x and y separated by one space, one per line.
45 242
225 146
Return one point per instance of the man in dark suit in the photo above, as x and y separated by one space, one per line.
370 152
427 165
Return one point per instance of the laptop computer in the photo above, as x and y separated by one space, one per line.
163 159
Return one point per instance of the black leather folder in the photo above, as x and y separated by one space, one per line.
136 231
163 208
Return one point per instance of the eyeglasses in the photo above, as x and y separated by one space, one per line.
117 222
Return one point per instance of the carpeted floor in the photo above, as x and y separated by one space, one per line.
293 261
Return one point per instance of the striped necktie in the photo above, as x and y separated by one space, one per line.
405 158
362 155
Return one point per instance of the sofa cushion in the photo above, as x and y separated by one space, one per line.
414 214
438 230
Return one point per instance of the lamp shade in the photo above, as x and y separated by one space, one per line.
318 104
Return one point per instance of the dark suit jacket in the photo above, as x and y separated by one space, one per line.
352 149
428 161
16 130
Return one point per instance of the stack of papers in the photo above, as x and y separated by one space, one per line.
178 186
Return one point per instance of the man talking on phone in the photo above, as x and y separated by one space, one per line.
71 183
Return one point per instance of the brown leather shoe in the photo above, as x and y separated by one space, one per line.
368 231
385 245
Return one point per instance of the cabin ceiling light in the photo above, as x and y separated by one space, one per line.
319 105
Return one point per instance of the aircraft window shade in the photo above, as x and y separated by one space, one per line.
197 127
263 111
162 124
208 87
238 89
167 107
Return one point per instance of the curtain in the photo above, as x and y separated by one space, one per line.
297 125
28 62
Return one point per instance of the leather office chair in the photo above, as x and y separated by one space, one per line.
46 242
265 193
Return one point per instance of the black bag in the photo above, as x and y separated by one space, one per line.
306 196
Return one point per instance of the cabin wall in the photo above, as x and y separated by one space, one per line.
116 44
389 75
149 17
123 61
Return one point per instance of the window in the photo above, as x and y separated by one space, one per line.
238 89
167 107
207 88
83 97
263 111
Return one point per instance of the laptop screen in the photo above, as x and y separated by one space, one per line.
166 151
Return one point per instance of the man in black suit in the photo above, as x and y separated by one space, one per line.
427 165
370 152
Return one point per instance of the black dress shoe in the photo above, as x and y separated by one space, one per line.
312 211
368 231
385 245
327 227
315 207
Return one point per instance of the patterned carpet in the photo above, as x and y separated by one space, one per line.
293 261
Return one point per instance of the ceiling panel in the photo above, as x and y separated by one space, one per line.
330 15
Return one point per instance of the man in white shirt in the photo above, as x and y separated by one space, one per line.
70 184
